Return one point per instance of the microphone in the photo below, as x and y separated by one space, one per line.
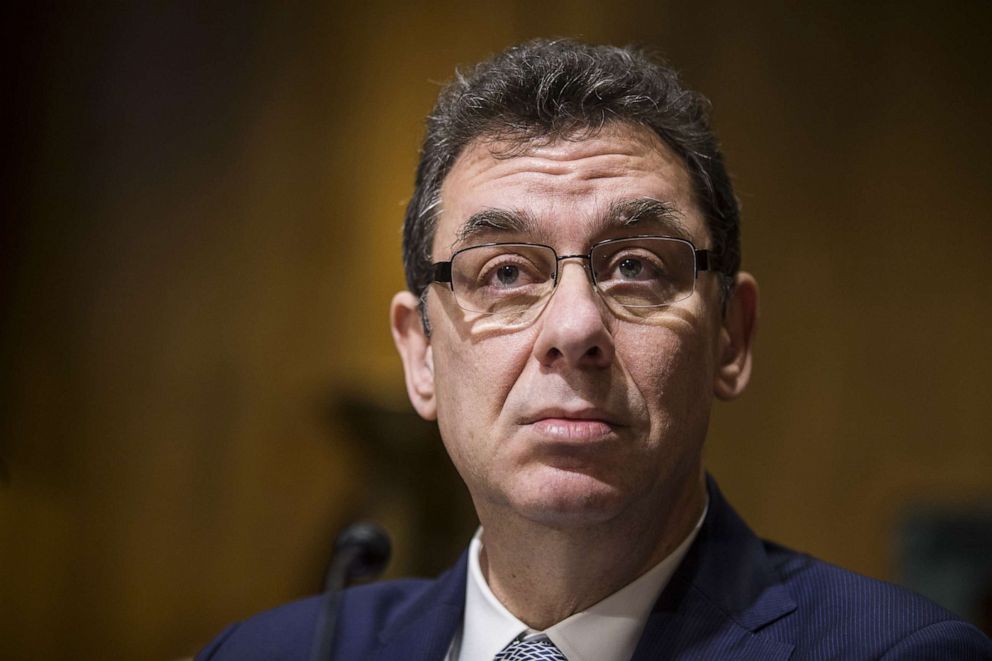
361 550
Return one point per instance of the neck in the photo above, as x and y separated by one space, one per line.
543 575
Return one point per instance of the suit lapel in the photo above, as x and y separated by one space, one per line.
426 630
723 593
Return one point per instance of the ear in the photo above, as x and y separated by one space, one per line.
737 338
415 351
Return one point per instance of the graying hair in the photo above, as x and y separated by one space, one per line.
543 90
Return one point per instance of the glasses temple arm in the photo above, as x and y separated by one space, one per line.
708 261
442 271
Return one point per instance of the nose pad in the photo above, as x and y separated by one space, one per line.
560 278
584 264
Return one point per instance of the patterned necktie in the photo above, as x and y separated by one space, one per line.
535 649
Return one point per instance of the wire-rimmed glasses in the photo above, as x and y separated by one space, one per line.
513 282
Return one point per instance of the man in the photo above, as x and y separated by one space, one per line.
575 302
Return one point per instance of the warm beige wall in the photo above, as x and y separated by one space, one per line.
205 235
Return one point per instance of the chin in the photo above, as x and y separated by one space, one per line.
568 499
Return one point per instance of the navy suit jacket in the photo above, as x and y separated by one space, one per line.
733 597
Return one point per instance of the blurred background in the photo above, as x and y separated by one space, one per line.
201 234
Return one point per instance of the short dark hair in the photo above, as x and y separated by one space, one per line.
544 89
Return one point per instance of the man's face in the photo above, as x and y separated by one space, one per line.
583 415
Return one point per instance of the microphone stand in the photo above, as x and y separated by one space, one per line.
361 550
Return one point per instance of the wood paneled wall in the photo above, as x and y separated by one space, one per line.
202 238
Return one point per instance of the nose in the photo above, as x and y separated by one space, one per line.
573 330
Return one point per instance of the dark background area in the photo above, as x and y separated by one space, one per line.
200 237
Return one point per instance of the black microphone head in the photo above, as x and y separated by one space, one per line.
371 548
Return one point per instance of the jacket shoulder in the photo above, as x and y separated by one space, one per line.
842 614
286 633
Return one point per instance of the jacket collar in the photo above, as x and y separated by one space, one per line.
724 592
426 629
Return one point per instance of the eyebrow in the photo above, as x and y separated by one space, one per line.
498 221
647 211
622 213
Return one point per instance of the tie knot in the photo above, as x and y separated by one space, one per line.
535 649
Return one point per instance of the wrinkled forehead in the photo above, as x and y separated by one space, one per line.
567 192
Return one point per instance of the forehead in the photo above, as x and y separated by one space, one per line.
564 190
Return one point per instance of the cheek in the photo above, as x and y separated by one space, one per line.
671 371
473 380
472 376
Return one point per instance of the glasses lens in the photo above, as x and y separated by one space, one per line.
645 272
503 279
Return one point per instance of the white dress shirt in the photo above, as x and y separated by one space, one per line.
607 631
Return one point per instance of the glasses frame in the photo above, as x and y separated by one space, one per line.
703 260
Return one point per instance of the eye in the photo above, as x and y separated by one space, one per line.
630 267
508 274
634 268
503 278
644 272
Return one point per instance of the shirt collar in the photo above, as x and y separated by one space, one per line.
606 631
488 625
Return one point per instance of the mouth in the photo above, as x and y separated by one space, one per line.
573 426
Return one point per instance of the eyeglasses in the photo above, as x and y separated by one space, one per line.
514 281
